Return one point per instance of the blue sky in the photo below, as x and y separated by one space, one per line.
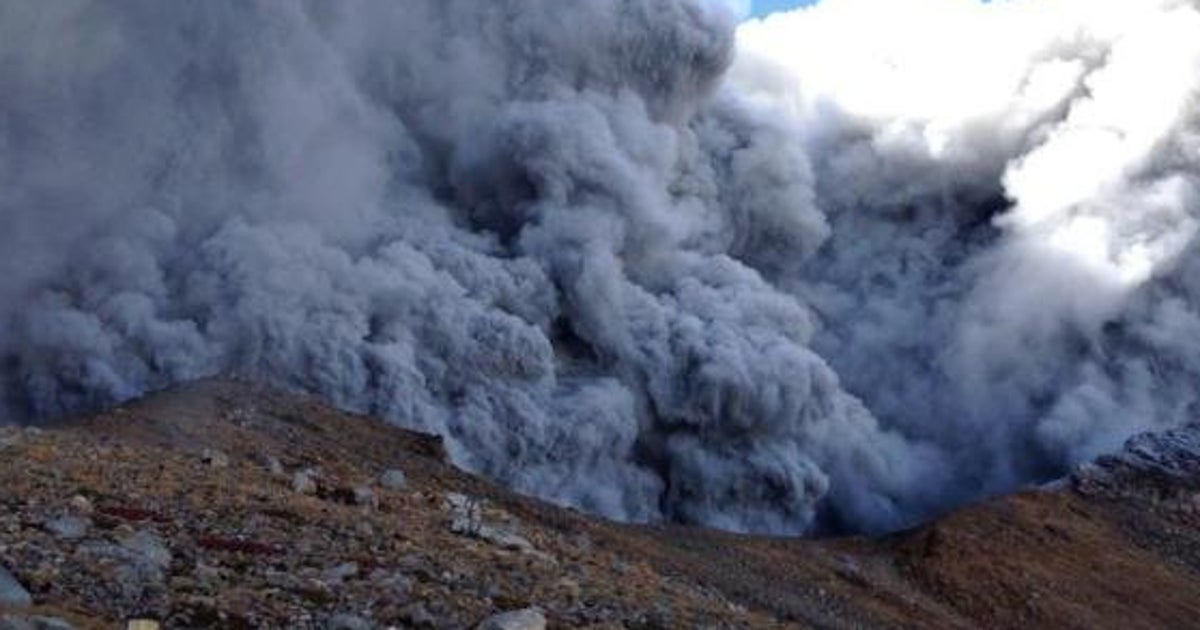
763 7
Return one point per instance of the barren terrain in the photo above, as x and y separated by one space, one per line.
224 504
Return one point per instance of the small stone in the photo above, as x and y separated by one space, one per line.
272 464
80 504
15 622
506 539
415 615
68 527
394 479
525 619
396 586
11 591
10 437
348 622
466 514
214 458
316 592
850 571
137 578
149 547
51 623
278 579
304 483
365 496
339 573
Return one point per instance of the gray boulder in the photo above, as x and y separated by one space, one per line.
11 591
393 479
524 619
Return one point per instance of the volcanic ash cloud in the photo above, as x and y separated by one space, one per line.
831 271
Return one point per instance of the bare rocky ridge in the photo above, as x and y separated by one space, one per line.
224 504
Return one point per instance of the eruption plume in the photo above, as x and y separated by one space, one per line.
833 270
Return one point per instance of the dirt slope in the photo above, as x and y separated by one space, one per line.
223 504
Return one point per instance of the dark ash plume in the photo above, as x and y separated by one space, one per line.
610 269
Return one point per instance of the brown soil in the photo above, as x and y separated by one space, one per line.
247 549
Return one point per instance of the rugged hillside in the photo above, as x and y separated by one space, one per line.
225 504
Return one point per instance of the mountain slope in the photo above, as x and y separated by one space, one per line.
228 504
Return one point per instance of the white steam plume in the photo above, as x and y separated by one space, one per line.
899 255
1012 189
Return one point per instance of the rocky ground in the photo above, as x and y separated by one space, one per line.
228 505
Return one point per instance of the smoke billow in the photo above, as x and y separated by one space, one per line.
834 270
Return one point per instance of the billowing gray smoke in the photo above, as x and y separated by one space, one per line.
611 270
